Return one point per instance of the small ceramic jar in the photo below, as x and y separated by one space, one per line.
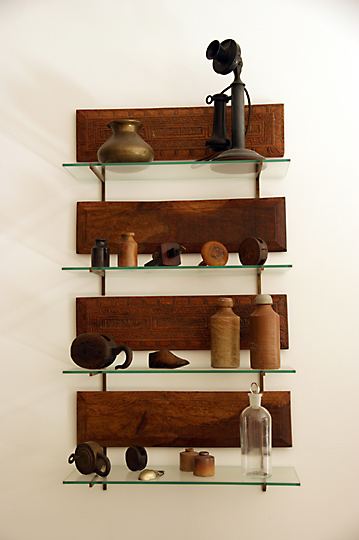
203 464
186 459
127 250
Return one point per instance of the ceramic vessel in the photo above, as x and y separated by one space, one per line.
125 144
264 335
127 250
225 335
186 459
97 351
89 458
203 464
100 254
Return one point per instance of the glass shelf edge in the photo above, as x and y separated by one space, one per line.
146 371
177 170
165 268
282 476
174 163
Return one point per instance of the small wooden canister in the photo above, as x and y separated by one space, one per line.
186 459
203 464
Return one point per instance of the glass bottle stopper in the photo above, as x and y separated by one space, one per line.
255 396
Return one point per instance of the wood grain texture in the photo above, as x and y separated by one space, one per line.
150 323
189 223
179 133
181 419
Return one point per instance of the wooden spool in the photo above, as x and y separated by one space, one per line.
253 251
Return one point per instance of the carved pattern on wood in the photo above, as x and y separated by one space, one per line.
174 419
167 322
179 133
189 223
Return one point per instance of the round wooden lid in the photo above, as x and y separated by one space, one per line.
214 254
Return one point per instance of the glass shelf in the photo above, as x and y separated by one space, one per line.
281 476
180 268
177 170
184 370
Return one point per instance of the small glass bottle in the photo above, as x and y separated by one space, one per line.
256 437
100 254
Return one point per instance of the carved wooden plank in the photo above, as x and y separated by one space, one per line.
180 133
167 322
184 419
189 223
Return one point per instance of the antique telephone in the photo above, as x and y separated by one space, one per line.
226 58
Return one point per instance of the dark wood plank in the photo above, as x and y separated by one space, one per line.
182 419
189 223
179 133
167 322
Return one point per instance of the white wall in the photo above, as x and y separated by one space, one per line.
59 56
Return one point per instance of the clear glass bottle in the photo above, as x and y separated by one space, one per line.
256 437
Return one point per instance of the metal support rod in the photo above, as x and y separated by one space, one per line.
103 284
103 184
261 380
104 388
259 279
258 175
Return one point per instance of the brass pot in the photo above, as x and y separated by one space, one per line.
125 144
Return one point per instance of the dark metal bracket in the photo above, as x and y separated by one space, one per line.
101 175
258 175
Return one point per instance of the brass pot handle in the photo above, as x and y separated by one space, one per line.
98 470
129 355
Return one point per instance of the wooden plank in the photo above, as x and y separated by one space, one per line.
179 133
188 223
182 419
149 323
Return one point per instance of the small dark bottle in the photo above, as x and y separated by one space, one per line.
100 254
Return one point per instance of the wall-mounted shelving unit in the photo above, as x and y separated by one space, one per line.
257 170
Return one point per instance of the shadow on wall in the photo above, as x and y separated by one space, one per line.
39 106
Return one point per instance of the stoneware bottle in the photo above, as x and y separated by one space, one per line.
203 464
186 459
225 329
264 335
125 144
100 254
127 250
